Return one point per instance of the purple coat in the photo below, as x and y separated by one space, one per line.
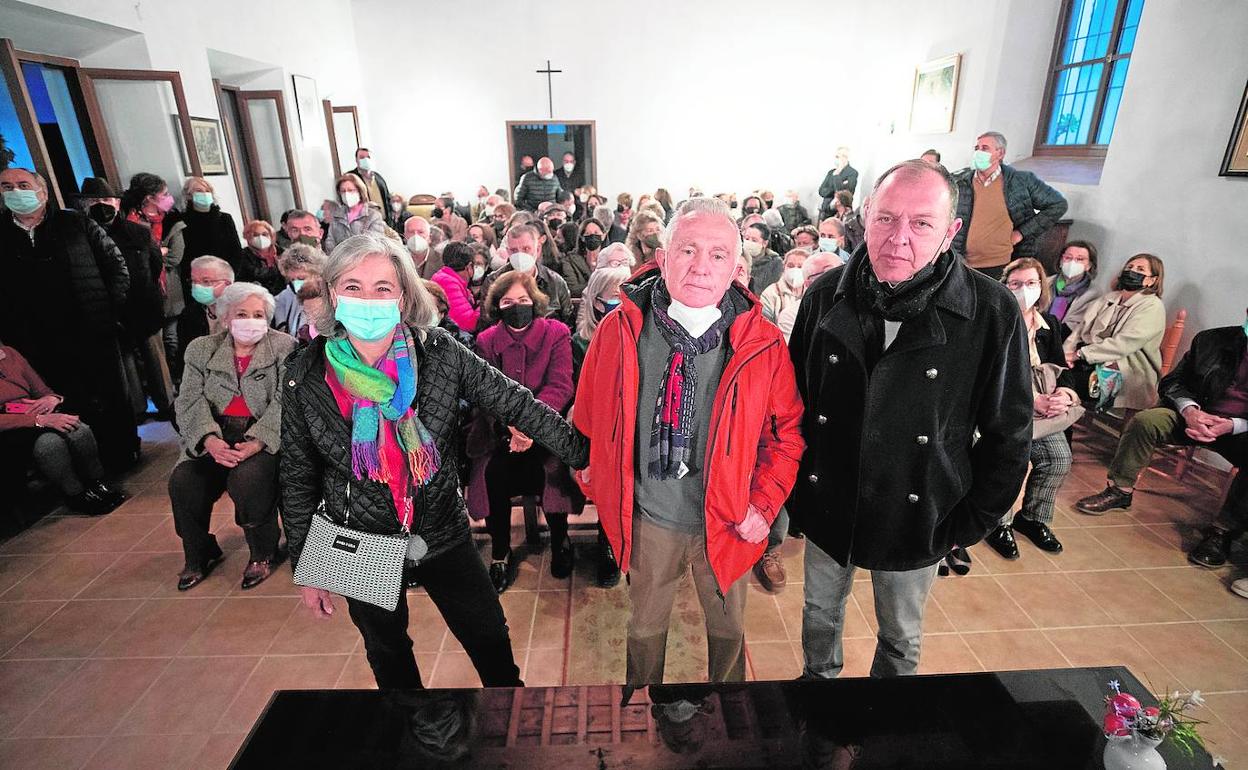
539 358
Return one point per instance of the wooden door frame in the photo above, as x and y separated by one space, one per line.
257 177
88 77
234 146
12 70
593 145
330 109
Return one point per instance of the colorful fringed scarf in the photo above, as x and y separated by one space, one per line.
377 399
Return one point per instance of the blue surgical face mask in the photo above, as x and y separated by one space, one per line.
1246 328
981 160
367 319
21 201
829 245
297 284
202 201
203 293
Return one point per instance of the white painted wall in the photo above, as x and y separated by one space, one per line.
311 37
725 94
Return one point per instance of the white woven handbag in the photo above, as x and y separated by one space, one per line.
360 565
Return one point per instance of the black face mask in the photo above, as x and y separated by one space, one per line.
554 224
1129 280
751 209
592 242
516 316
732 204
102 213
767 203
437 213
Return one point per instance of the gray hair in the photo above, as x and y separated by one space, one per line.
417 308
914 169
699 206
299 256
997 137
604 214
236 293
838 224
773 219
215 263
599 283
608 253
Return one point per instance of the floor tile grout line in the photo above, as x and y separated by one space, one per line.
12 730
15 645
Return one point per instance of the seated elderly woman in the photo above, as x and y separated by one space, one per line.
616 255
298 263
1123 334
229 418
258 262
781 299
536 352
62 445
348 398
1074 288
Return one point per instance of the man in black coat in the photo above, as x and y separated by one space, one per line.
63 295
842 177
378 190
570 174
1204 403
902 357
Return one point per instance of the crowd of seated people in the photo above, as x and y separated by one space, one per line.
213 319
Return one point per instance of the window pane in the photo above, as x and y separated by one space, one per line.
267 132
1113 97
59 123
1087 35
14 152
1074 98
1130 25
141 117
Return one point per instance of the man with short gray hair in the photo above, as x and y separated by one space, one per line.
917 385
693 450
537 186
1004 210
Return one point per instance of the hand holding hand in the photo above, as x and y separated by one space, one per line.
247 449
221 452
754 527
45 405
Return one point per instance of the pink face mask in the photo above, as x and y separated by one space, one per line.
164 202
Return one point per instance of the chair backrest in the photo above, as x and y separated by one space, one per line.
1170 341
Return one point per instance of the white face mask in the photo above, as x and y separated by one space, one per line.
396 206
521 262
548 176
695 320
1027 296
567 167
478 272
417 244
752 248
248 330
1073 270
260 242
350 199
794 276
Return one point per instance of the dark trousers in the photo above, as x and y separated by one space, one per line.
459 585
196 484
93 383
508 475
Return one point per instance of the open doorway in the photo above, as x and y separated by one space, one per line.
553 139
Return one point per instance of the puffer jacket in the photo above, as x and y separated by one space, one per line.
1033 206
754 446
316 443
533 191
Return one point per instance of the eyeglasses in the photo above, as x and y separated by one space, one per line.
1016 285
617 263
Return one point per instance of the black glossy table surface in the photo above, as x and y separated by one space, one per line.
1028 719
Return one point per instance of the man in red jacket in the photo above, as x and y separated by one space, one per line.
689 399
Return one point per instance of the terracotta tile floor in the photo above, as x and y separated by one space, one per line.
104 664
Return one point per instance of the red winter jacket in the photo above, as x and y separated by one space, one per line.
755 442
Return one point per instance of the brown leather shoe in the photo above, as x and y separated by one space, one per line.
770 571
259 571
1111 498
192 576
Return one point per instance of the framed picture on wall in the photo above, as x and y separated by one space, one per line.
935 95
1235 163
209 145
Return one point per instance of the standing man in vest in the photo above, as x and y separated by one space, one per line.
378 190
1004 211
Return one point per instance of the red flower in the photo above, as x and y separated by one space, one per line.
1116 725
1124 704
1151 711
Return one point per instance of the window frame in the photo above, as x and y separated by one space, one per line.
1090 149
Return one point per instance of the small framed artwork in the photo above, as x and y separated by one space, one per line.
210 146
1235 163
935 95
307 107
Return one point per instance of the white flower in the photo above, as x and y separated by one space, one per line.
1196 699
1219 761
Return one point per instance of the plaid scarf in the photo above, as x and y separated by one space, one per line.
377 398
671 436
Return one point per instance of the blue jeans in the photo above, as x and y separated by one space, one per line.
779 528
899 601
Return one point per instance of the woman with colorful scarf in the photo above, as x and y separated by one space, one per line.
371 432
1073 286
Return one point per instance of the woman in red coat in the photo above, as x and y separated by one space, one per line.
536 352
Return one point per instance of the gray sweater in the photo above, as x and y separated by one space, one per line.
672 503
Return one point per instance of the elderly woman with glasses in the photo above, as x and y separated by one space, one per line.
229 418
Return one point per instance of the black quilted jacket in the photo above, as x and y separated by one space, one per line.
316 441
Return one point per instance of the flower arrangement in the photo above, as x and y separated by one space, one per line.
1124 716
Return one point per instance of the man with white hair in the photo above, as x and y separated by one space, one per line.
64 286
537 186
693 450
209 277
